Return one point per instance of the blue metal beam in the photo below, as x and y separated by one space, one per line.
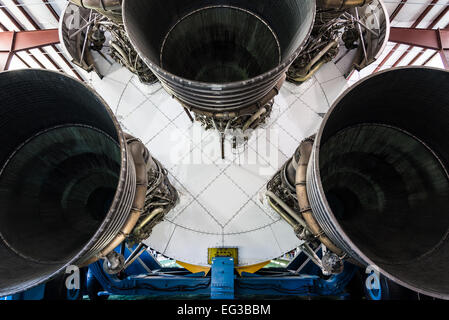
160 284
222 283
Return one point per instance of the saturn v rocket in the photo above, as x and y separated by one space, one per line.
371 186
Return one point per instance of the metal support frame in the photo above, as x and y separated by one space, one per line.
434 39
37 27
303 264
222 283
431 26
36 293
12 42
20 27
421 17
274 283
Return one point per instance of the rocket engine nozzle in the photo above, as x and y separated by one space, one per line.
219 56
377 180
67 180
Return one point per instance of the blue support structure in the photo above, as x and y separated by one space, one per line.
153 284
143 264
288 284
146 277
222 284
36 293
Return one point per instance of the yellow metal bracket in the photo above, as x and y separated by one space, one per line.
252 268
223 252
194 268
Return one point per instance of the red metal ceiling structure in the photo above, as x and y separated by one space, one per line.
3 28
406 36
398 9
36 26
12 42
412 44
425 38
19 26
7 35
414 25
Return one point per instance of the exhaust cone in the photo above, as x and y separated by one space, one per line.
67 182
378 176
219 55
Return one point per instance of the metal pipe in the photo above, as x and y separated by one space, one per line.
283 215
307 74
134 255
254 117
152 215
289 210
310 74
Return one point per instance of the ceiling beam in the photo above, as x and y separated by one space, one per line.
22 60
414 25
435 39
396 11
18 26
27 40
432 25
444 54
36 26
70 65
12 42
430 58
51 9
442 14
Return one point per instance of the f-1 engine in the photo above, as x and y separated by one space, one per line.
73 185
225 61
372 185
